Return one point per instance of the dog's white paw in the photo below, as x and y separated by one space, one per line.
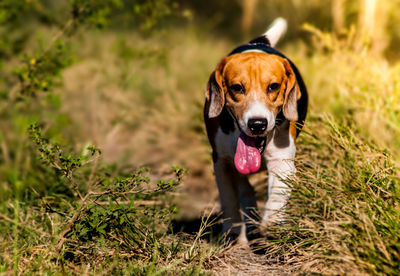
272 217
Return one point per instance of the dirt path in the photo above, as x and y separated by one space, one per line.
239 260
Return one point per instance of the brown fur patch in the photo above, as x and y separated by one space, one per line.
255 72
293 131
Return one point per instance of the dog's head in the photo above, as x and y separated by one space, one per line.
254 87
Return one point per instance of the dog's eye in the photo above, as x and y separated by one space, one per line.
238 88
273 86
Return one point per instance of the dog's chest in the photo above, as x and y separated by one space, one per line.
226 143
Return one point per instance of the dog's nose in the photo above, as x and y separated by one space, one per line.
257 126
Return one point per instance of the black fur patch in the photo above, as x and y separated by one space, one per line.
261 39
214 156
281 135
226 122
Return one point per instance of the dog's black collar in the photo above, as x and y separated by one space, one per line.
260 43
256 46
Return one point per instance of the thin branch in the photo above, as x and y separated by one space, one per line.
92 172
71 223
136 202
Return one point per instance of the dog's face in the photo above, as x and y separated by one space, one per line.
254 87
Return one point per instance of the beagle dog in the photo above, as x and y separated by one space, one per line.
256 103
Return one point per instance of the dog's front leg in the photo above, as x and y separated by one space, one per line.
280 166
228 195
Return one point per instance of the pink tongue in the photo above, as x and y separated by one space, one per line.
247 157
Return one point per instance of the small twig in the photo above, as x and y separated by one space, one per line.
136 202
58 167
75 217
74 185
70 178
71 223
92 172
61 33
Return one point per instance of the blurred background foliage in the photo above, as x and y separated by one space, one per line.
129 76
39 39
134 44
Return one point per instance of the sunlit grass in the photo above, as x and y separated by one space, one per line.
343 209
140 100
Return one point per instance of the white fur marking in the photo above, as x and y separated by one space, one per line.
242 239
280 166
257 110
276 31
253 50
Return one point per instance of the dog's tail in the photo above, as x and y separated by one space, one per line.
276 31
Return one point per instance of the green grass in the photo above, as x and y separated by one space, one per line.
139 99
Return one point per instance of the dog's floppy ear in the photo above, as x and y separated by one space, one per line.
292 94
215 91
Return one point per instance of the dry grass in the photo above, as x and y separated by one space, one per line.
140 100
343 214
151 115
239 260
